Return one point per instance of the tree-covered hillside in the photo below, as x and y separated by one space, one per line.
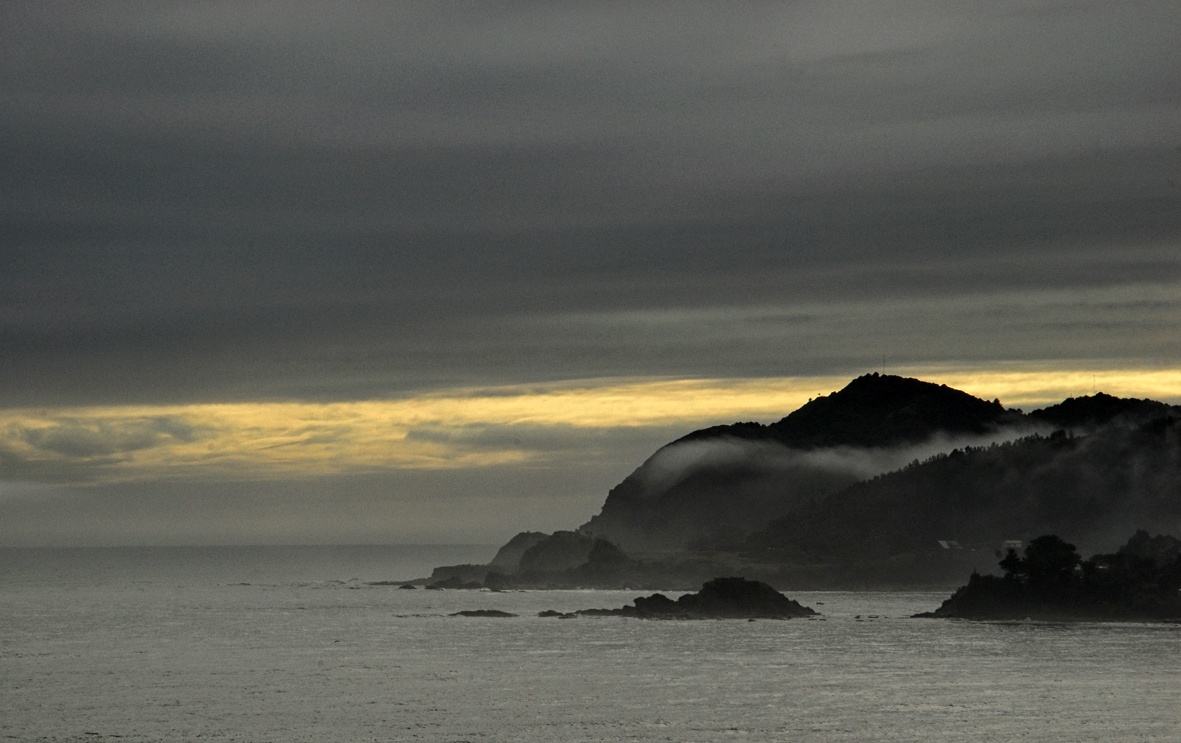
713 487
1094 488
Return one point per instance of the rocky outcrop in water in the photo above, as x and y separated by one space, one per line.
457 576
720 598
486 613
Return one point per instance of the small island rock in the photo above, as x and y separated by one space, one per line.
720 598
492 613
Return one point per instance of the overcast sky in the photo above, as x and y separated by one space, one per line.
439 272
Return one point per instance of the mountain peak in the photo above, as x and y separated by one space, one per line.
887 410
1091 411
874 410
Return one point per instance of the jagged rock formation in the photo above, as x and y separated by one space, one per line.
562 550
508 557
721 598
564 559
457 576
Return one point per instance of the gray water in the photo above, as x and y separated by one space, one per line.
258 645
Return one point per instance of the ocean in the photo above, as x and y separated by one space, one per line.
295 644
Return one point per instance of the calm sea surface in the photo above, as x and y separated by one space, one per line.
291 644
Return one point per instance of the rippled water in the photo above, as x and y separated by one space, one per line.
182 651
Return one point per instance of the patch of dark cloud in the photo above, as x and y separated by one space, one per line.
397 197
80 451
95 62
104 439
371 351
918 236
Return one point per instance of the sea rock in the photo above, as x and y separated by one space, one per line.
720 598
458 576
490 613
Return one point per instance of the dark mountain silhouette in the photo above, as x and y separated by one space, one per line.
711 488
874 411
887 482
1084 414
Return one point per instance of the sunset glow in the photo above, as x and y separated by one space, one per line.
260 440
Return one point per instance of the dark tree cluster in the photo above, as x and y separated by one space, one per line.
1140 581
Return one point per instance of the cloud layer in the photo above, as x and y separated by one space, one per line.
216 202
258 205
553 426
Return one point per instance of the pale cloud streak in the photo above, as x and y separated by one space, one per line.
517 426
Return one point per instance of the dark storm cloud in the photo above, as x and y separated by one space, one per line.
210 201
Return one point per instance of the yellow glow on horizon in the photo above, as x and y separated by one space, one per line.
1035 388
456 428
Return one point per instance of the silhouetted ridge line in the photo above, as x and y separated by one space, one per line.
890 481
1089 412
874 410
